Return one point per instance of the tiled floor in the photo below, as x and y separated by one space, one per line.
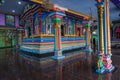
80 66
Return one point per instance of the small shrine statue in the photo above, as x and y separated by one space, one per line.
100 65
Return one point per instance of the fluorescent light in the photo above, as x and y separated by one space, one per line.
19 2
94 32
13 11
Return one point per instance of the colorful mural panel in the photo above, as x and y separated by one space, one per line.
36 28
10 20
28 27
7 38
71 26
47 27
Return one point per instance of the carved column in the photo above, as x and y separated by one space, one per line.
57 18
100 65
107 57
40 24
88 36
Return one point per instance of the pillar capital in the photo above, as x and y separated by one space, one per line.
87 24
99 4
101 9
57 17
57 14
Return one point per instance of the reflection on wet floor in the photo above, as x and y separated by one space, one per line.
15 65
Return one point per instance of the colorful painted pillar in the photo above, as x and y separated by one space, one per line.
41 13
105 30
100 65
107 57
88 37
57 16
104 62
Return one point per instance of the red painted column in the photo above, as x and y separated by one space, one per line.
41 13
59 38
32 25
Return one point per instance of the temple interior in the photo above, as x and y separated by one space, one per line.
59 40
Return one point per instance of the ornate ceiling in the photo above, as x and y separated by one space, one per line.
82 6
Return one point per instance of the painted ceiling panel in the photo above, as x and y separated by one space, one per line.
10 5
82 6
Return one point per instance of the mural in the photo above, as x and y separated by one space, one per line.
8 38
70 28
10 20
79 29
47 24
36 29
28 27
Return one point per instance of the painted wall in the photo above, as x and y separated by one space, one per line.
16 21
7 40
2 19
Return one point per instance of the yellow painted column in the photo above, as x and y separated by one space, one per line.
101 8
108 27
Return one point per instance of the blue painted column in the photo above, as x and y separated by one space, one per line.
105 31
86 37
98 34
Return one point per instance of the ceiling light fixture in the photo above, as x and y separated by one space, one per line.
13 11
19 2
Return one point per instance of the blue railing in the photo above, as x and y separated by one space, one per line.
50 39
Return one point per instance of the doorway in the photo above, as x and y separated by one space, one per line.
78 32
62 30
29 31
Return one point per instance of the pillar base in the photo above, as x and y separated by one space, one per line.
108 63
88 49
101 71
100 65
58 55
112 68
